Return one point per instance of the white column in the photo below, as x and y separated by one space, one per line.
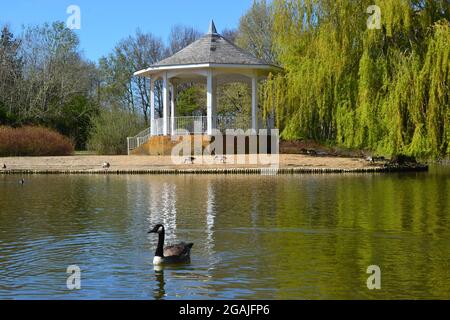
152 107
172 108
215 105
255 103
166 103
210 103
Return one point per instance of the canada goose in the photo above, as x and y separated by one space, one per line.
106 165
370 159
375 159
221 159
179 253
189 160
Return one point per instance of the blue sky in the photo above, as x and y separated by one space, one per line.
105 22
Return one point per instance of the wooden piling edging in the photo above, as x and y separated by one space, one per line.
220 171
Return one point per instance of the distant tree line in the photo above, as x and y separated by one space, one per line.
384 90
45 81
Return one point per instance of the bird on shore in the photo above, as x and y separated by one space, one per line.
189 160
221 159
370 159
179 253
106 165
4 166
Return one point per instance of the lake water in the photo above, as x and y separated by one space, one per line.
256 237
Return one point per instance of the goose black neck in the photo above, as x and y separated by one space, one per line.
160 248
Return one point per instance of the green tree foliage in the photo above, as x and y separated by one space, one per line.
235 100
110 130
385 89
191 99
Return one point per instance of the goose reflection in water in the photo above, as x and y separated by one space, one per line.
159 291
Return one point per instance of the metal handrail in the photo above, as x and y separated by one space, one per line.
191 124
144 133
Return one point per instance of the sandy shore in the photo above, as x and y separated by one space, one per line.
143 164
151 162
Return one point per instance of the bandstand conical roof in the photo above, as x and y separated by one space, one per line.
211 50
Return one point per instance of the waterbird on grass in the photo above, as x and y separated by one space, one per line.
179 253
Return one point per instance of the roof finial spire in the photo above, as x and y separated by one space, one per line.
212 28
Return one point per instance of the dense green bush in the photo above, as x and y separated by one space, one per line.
111 129
33 141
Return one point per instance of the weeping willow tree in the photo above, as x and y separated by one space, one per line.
385 89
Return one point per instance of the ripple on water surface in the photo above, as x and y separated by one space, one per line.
256 237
